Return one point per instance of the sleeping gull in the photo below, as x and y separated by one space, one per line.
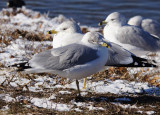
149 25
74 61
69 32
130 37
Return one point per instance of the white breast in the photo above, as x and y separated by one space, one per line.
110 33
63 40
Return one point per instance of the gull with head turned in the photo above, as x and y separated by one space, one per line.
74 61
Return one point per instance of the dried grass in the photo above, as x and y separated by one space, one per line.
96 100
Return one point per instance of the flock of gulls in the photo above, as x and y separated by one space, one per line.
76 55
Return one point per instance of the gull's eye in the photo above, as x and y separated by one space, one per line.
93 41
64 28
112 19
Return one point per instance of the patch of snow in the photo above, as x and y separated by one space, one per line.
117 87
94 108
45 103
139 111
31 21
28 106
87 105
4 108
77 109
53 96
59 86
124 87
19 81
35 89
65 92
3 78
79 104
21 50
7 97
21 97
150 112
84 93
45 81
126 105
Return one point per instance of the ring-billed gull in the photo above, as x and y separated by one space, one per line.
69 32
66 33
74 61
149 25
130 37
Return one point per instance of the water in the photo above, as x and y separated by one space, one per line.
91 12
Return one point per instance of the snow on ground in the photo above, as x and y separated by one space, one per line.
118 87
127 105
30 20
45 103
6 97
21 50
150 112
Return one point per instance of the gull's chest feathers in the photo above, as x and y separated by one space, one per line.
110 33
66 39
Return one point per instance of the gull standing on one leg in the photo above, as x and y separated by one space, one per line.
74 61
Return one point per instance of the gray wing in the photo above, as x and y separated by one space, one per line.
139 38
151 26
63 57
118 55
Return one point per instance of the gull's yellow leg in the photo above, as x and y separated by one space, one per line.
84 84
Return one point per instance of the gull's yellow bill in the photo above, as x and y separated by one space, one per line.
102 23
52 32
105 45
48 35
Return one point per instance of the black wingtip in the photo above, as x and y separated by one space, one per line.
144 62
21 66
141 62
138 62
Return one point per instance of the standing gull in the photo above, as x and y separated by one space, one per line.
130 37
74 61
149 25
69 32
